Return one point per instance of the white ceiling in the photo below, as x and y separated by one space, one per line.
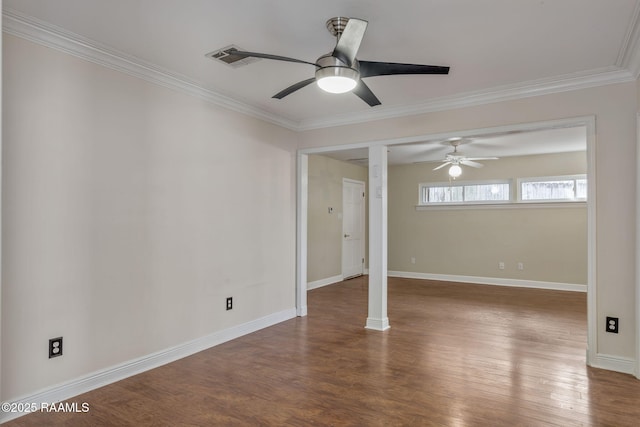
492 144
494 47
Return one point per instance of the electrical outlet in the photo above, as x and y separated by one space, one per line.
521 266
55 347
413 260
612 325
229 303
501 265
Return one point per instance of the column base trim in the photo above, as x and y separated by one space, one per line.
377 324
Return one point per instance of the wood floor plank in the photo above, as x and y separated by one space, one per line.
456 355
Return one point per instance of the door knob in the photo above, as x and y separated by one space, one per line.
346 235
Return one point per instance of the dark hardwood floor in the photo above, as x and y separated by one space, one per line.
456 355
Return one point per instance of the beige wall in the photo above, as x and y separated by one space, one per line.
551 242
614 108
130 213
324 230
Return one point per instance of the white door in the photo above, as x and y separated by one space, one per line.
352 228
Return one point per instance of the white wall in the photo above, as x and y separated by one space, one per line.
614 107
130 213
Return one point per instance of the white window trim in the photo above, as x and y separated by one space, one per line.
515 201
502 205
423 185
520 181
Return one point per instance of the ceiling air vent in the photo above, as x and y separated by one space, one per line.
226 55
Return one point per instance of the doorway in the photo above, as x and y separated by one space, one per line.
358 151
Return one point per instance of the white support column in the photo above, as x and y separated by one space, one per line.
377 318
301 239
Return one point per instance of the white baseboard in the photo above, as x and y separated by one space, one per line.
377 324
324 282
614 363
136 366
302 311
497 281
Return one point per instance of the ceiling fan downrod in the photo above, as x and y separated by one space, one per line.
337 25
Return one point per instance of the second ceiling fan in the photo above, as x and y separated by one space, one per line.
457 158
340 71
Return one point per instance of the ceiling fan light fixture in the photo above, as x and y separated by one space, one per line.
455 171
337 79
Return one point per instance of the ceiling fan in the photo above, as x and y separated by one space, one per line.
339 71
457 158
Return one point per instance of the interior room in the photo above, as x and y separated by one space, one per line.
331 213
454 242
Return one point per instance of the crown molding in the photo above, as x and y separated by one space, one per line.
629 55
37 31
563 83
627 69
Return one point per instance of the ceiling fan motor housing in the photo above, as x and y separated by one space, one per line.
328 65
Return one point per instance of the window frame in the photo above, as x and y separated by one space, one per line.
573 178
424 186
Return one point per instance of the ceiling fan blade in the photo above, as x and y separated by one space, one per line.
442 165
293 88
471 163
481 158
349 42
364 93
245 54
372 68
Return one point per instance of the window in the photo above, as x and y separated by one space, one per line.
546 189
553 189
465 193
